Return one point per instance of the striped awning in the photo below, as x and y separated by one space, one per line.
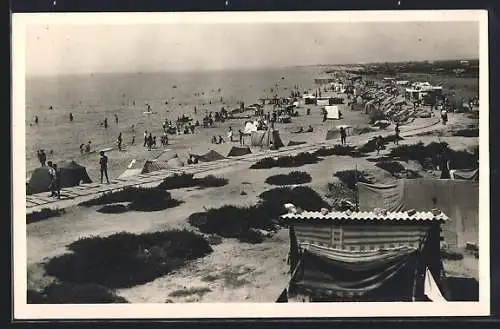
400 216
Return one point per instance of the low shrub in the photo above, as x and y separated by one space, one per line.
69 293
295 177
113 209
127 194
351 177
211 181
264 163
153 200
393 167
178 181
285 161
342 150
126 259
341 191
44 213
305 158
237 222
371 145
469 132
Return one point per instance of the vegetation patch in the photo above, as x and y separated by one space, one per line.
113 209
468 132
286 161
140 198
432 155
351 177
295 177
187 180
371 145
342 150
244 222
70 293
44 213
125 259
393 167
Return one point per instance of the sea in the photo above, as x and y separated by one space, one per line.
95 96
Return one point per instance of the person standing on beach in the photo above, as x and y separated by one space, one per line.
70 117
42 157
105 123
57 181
150 141
343 135
119 140
36 120
52 174
145 138
396 140
116 118
230 134
241 137
103 162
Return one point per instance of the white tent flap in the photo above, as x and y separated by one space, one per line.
332 112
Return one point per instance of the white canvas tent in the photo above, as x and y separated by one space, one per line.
332 112
323 102
249 128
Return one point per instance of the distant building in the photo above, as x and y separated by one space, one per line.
419 90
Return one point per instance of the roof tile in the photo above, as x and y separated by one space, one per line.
366 215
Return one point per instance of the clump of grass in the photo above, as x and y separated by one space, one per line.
431 155
286 161
43 214
469 132
184 180
351 177
125 259
393 167
113 209
239 221
69 293
265 163
140 198
295 177
342 150
341 192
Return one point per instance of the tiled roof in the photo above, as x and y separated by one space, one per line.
366 216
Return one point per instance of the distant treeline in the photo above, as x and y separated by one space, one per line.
466 68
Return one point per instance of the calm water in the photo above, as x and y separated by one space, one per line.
91 98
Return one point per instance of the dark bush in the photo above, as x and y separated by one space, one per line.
69 293
351 177
113 209
371 145
177 181
341 150
45 213
470 132
237 222
305 158
393 167
153 199
125 259
341 191
127 194
295 177
264 163
211 181
294 143
285 161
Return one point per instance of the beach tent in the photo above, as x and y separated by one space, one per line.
239 151
365 256
332 112
154 165
459 199
209 156
72 174
267 139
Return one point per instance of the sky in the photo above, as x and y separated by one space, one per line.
75 49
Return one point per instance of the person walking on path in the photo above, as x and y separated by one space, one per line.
343 135
103 162
150 141
42 157
145 138
57 181
379 143
119 140
230 134
52 174
396 140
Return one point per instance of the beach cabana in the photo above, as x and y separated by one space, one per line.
365 256
267 139
332 112
236 151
